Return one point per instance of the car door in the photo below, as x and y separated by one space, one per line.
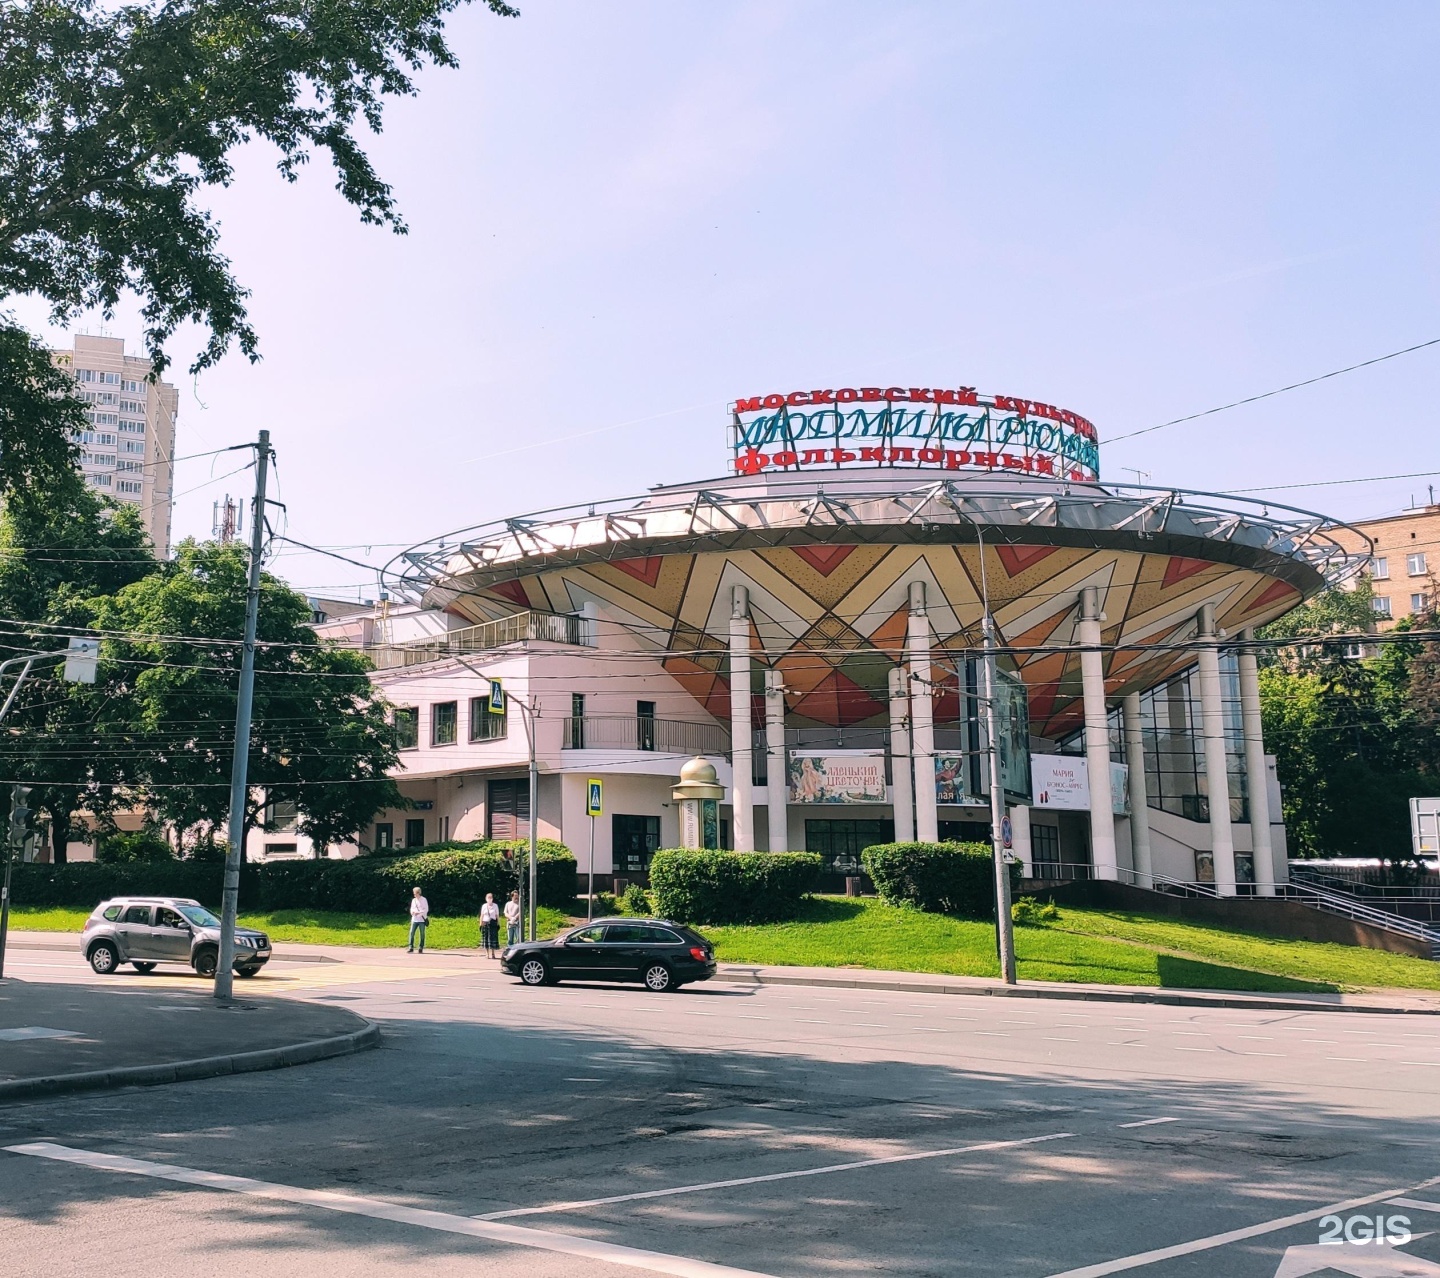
630 946
581 954
170 936
135 933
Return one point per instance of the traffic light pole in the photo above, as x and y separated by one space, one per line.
239 768
19 815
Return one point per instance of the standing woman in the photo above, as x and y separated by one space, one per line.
490 926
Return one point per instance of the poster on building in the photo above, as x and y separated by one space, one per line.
841 776
1063 781
949 778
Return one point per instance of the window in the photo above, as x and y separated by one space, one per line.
84 374
133 446
99 481
507 810
575 728
108 379
444 720
132 388
485 726
130 467
1415 564
632 840
840 843
1419 603
137 914
1381 604
132 486
1380 569
1045 850
166 917
407 728
384 836
415 832
135 428
645 725
282 814
112 912
586 936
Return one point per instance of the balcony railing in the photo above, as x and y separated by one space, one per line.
550 627
642 733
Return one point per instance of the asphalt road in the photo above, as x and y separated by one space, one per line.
586 1130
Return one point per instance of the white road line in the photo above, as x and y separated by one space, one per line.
1415 1204
1150 1122
579 1204
1235 1235
353 1205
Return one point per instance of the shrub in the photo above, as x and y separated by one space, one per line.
731 887
1028 912
943 878
635 902
128 847
605 904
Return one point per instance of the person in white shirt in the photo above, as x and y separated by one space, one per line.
512 919
419 917
490 926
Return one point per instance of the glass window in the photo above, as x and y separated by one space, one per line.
485 726
645 722
1415 565
627 934
137 914
166 917
1418 603
113 912
1381 604
199 915
407 728
1380 568
444 720
586 936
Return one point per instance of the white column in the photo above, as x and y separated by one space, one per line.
742 797
1256 781
1020 840
777 780
901 776
1217 779
1097 739
1139 805
922 718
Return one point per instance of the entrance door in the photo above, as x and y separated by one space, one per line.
415 832
840 842
633 839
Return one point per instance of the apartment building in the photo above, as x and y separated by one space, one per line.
1405 563
128 450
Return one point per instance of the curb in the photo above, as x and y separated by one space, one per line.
1167 997
187 1071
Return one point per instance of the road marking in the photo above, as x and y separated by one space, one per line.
580 1204
1235 1235
379 1209
1150 1122
1415 1204
23 1033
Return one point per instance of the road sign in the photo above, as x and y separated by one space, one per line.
81 659
1007 833
593 806
497 697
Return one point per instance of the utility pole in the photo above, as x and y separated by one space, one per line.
239 768
15 837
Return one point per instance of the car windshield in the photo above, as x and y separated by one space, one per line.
198 915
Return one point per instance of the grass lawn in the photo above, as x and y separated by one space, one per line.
315 927
1083 945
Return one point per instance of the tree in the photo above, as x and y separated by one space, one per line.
39 413
114 118
320 739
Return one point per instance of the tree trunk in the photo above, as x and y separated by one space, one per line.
60 837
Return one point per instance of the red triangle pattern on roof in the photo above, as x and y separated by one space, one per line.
646 569
1274 591
1178 568
511 590
837 700
824 559
1018 558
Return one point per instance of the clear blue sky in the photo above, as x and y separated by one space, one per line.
624 214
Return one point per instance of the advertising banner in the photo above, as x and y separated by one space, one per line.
841 776
949 778
1063 781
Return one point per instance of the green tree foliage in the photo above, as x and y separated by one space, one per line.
114 118
39 410
320 735
1354 738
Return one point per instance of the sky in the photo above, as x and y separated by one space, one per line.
624 214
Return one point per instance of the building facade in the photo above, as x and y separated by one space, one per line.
1405 562
128 450
812 624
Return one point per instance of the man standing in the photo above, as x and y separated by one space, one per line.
512 919
419 917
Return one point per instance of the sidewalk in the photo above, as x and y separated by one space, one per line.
65 1037
1408 1001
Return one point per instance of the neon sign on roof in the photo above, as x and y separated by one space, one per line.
950 428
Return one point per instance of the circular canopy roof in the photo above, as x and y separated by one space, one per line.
828 557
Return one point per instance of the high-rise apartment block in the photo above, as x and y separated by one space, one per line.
128 450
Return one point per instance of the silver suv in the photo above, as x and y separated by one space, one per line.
146 930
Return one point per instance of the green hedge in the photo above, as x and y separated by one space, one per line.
730 887
454 881
944 878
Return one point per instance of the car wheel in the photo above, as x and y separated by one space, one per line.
534 972
143 968
206 961
246 971
104 958
658 978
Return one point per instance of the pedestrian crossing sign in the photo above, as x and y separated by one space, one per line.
592 800
497 697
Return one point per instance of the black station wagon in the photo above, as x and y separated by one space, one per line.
657 953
